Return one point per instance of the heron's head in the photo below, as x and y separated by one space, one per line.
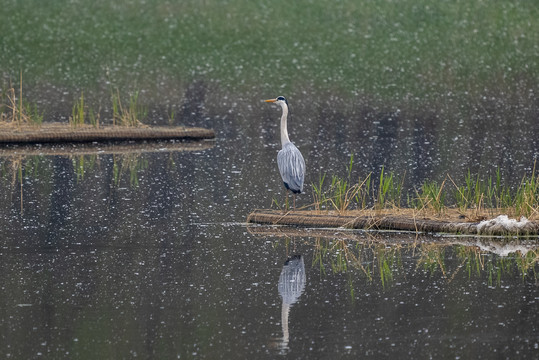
280 100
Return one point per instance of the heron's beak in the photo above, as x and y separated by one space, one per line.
271 100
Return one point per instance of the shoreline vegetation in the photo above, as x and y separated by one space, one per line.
22 122
479 206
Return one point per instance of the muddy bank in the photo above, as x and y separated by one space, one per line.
499 225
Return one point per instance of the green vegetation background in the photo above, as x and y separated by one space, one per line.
385 49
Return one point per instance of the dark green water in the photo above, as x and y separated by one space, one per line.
146 254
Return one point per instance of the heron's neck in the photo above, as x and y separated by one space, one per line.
284 127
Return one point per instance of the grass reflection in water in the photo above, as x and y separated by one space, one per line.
385 260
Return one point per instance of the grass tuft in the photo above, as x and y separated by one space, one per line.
131 115
80 114
19 111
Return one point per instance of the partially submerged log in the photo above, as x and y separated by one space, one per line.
58 133
499 226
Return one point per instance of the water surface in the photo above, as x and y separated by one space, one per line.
147 255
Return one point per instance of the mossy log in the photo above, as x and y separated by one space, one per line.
58 133
388 222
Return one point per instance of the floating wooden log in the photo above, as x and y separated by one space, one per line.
498 226
58 133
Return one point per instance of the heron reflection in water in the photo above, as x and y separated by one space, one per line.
291 286
289 160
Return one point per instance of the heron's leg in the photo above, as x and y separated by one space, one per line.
286 202
294 200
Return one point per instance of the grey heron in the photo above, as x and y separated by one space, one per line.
289 160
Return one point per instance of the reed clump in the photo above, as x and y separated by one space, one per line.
15 110
475 199
127 114
82 115
343 193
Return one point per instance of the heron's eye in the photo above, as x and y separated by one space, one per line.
281 98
